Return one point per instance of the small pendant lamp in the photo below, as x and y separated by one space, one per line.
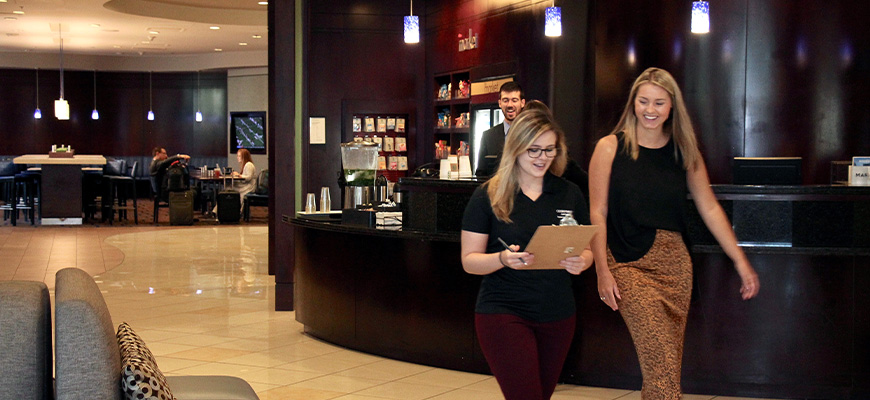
37 114
61 106
198 115
553 21
150 107
95 115
412 27
700 17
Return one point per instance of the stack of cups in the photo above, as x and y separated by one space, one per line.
310 204
325 201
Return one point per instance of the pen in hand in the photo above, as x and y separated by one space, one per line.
508 248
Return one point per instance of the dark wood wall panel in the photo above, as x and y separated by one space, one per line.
356 54
772 78
807 68
123 103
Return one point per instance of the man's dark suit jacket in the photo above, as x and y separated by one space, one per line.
490 151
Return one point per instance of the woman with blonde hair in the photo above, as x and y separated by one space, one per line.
524 318
639 178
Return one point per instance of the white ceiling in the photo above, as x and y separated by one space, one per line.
123 28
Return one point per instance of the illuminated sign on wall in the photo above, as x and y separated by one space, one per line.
468 43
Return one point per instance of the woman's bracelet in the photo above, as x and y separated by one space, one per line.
502 262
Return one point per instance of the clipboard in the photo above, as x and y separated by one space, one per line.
553 243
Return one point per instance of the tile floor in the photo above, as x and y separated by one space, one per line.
203 301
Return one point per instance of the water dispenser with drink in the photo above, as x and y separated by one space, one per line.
359 161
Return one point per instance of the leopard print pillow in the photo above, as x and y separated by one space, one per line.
140 378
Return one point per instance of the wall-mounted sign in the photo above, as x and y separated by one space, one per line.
487 91
488 87
468 43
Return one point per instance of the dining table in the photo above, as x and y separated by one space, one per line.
61 187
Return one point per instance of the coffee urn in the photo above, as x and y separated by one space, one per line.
359 161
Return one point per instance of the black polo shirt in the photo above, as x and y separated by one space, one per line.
537 295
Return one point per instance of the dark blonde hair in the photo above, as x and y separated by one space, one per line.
537 105
246 157
503 187
678 124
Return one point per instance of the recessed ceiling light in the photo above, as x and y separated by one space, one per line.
218 49
95 25
243 44
257 37
263 3
19 12
154 32
214 28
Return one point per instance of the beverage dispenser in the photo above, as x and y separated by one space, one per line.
359 161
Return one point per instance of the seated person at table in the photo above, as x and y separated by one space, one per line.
159 163
246 181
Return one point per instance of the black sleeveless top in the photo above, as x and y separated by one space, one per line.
645 194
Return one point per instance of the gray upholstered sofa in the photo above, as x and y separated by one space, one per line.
87 354
88 361
25 341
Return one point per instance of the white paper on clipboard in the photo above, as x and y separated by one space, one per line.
553 243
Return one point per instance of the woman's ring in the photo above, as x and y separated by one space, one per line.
603 298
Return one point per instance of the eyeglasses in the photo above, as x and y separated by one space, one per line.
535 152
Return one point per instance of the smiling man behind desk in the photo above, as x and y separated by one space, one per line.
511 101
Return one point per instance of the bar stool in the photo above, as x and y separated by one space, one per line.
122 189
26 195
7 195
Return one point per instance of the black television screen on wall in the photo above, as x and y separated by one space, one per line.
248 131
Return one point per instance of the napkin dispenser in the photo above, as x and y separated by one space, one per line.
358 217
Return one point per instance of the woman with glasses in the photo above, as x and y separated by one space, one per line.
524 318
639 177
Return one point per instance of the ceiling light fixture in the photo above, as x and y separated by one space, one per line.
150 107
95 115
214 28
412 27
198 114
37 114
61 106
553 21
263 3
700 17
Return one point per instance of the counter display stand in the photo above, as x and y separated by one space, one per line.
452 108
389 131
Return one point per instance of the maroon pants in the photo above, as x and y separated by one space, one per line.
526 357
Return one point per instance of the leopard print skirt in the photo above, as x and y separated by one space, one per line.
655 291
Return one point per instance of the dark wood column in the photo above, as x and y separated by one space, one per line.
282 106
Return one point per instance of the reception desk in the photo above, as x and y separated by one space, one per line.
61 188
404 295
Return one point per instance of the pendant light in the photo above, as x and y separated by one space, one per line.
61 106
37 114
700 17
412 27
553 21
198 114
95 115
150 107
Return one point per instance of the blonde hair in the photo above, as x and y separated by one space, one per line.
503 187
678 124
